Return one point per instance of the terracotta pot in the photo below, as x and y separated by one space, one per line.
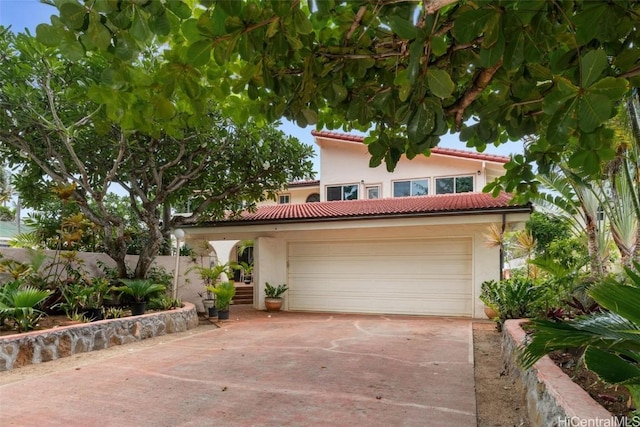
273 304
490 312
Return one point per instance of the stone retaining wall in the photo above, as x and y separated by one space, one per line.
42 346
553 400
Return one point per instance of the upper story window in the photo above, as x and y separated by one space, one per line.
284 199
342 192
373 191
414 187
458 184
312 198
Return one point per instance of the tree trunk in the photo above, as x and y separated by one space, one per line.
156 238
597 265
116 248
636 252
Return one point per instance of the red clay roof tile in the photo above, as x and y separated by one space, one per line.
398 207
436 150
310 183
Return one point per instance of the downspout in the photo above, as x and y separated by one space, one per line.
504 226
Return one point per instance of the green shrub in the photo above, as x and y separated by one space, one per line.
274 291
19 304
140 290
513 298
224 293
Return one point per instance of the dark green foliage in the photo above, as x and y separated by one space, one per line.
19 304
140 290
546 229
274 291
413 71
610 339
7 214
163 303
514 298
224 293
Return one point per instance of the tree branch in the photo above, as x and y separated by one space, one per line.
631 73
481 81
432 6
355 24
63 131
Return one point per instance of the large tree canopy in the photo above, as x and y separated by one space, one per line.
53 124
408 71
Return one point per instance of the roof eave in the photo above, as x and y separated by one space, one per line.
481 211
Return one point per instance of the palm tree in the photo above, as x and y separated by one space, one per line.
633 168
618 193
573 199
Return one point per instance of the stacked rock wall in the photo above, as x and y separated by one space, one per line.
42 346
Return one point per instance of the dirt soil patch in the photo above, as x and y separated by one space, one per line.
615 399
500 399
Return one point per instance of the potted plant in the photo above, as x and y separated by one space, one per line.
224 293
513 298
95 292
208 302
247 272
140 290
210 277
489 296
273 300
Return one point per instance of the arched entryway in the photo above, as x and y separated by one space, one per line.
243 276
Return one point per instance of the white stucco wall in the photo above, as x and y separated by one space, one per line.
271 243
348 163
268 254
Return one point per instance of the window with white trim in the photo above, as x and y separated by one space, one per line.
413 187
372 191
284 199
455 184
342 192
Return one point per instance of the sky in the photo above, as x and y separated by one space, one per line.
21 14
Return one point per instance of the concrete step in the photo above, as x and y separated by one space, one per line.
244 295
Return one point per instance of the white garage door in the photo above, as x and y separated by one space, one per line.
399 276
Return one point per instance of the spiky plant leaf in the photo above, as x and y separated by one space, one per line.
623 300
611 367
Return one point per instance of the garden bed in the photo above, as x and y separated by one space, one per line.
38 346
553 399
615 399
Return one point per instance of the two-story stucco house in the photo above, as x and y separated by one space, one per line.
365 240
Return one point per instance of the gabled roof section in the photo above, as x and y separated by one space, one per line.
419 206
435 150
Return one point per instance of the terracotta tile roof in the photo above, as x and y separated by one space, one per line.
310 183
436 150
444 204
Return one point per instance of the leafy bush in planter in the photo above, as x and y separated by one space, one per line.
224 293
274 291
140 290
512 298
164 303
19 304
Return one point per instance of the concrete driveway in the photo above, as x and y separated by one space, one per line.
284 369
